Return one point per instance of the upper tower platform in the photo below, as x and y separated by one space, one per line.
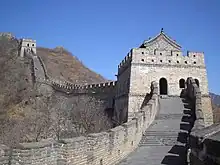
163 50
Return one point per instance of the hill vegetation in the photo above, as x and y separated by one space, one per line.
61 64
27 115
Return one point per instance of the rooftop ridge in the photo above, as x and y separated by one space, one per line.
162 33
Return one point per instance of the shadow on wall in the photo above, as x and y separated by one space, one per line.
146 100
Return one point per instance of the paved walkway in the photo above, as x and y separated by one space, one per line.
164 141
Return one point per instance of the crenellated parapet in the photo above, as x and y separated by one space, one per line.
70 88
79 88
168 58
125 63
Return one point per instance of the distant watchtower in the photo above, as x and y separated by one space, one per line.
27 45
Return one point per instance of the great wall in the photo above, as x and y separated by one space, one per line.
152 81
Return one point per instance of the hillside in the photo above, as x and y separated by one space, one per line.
62 65
215 99
27 115
216 107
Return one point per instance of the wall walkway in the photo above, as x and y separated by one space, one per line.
105 148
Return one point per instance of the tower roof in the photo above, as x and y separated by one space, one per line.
159 37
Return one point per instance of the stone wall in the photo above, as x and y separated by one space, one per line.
146 68
201 104
122 89
203 141
105 148
204 146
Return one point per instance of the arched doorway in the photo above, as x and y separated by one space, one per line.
182 83
163 86
197 82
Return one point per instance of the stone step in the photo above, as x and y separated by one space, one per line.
169 116
161 133
159 140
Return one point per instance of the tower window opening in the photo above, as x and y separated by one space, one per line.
178 62
161 61
152 60
32 44
194 62
182 83
142 52
163 85
169 61
185 62
142 60
160 53
28 45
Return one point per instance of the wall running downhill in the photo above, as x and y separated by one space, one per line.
105 148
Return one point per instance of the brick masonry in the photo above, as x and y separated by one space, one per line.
96 149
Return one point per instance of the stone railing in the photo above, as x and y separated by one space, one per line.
194 95
203 142
204 146
105 148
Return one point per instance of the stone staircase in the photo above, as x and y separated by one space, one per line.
164 142
153 138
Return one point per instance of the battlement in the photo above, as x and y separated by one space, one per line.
141 55
125 62
28 40
71 88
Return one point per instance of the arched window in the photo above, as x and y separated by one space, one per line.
182 83
197 82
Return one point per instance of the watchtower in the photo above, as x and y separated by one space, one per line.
158 59
27 45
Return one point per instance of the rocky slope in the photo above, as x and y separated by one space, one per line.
27 115
61 64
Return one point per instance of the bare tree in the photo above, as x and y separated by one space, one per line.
59 115
88 115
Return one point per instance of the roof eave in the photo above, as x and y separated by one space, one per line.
172 42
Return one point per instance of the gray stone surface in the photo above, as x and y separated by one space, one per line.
164 141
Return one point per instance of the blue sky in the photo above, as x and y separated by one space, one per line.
100 33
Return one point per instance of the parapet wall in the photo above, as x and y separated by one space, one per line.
192 59
203 146
125 63
105 148
70 88
194 94
201 103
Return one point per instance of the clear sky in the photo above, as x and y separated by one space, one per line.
101 32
